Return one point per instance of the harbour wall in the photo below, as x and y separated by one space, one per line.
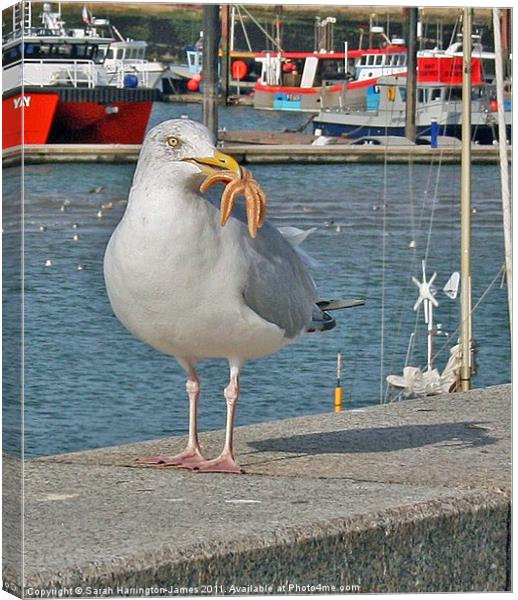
258 154
411 496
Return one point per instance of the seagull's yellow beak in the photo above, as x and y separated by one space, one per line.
216 162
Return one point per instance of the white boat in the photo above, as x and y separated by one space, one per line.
125 60
438 112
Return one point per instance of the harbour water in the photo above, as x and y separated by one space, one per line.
88 383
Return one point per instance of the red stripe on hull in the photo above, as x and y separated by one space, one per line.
94 123
285 89
38 113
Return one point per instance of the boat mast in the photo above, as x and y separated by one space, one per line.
504 172
211 38
410 123
465 210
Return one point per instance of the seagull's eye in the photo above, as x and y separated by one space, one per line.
172 141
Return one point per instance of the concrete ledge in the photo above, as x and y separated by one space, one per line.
256 154
413 496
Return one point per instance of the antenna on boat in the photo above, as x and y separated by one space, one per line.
427 299
465 211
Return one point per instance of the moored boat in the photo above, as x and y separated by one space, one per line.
55 86
438 112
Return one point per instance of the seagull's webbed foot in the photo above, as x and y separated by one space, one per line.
189 458
225 463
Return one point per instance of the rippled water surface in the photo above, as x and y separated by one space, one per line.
89 383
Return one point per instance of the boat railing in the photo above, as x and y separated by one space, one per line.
119 69
75 73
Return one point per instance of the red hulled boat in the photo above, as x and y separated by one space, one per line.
55 88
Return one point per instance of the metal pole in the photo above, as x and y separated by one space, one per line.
225 54
232 26
465 210
211 36
411 77
504 168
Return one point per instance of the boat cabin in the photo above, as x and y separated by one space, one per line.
129 50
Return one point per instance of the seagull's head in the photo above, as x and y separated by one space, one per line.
187 149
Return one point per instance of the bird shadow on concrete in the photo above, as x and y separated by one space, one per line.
459 435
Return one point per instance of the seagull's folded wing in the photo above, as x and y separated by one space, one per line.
278 287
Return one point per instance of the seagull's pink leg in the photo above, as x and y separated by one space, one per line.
225 462
192 455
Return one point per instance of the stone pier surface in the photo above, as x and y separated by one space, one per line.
410 496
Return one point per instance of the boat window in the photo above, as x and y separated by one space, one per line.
402 59
110 53
81 51
12 55
422 95
61 51
454 93
435 94
379 59
330 69
99 52
402 93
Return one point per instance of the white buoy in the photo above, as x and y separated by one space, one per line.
100 214
412 244
80 267
48 263
42 228
338 229
75 225
76 237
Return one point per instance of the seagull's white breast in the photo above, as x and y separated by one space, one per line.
175 279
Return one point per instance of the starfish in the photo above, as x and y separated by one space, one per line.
236 185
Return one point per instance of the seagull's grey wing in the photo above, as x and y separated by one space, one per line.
278 287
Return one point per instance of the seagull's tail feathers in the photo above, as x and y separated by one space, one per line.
322 320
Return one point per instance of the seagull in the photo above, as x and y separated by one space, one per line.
194 289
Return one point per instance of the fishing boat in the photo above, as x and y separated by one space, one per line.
56 87
438 112
308 81
433 65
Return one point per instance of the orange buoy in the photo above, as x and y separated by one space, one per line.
193 85
239 69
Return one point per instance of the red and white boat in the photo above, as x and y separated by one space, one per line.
55 88
433 65
308 81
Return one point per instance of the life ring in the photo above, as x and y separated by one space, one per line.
239 69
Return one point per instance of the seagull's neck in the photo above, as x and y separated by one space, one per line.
164 199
